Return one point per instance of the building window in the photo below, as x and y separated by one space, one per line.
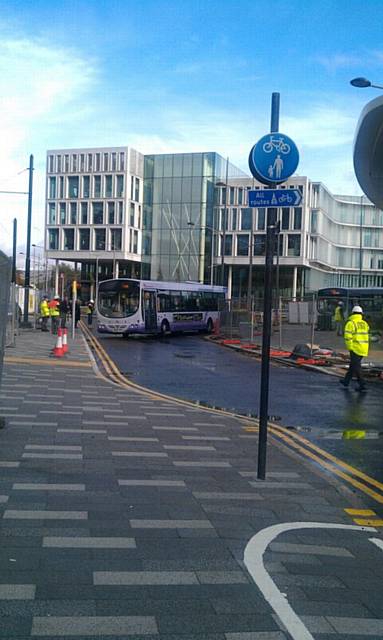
99 235
136 189
84 239
240 196
62 212
66 164
120 186
73 212
61 187
285 218
246 219
58 164
98 212
114 161
122 161
111 219
261 219
243 244
120 212
132 214
73 187
294 244
97 187
259 244
90 162
68 239
232 194
132 187
97 162
135 241
84 213
108 186
116 239
106 161
82 162
85 186
52 187
52 213
50 164
228 244
297 218
74 163
53 239
139 217
234 219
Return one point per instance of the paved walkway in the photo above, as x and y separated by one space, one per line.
128 516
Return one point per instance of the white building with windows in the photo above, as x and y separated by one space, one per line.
94 211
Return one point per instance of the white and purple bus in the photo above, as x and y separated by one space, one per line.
126 306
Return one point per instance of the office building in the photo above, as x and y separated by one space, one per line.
185 217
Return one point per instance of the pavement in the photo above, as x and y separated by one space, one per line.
127 515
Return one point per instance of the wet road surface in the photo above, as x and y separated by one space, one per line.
190 367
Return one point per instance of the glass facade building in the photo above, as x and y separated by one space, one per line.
179 226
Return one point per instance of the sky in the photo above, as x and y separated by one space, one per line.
168 76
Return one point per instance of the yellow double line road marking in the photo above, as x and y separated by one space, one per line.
351 475
330 462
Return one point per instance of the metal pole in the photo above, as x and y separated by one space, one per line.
360 242
14 251
28 248
280 321
275 103
251 249
265 365
224 225
312 324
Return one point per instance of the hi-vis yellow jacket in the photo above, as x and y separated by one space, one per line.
338 315
356 334
44 309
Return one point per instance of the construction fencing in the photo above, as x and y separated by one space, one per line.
293 321
5 278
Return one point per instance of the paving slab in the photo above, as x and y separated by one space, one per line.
126 516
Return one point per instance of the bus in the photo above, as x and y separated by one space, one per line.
369 298
127 306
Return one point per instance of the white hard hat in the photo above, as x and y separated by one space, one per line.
357 309
92 301
56 298
340 303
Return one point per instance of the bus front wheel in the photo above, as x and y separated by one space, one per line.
164 328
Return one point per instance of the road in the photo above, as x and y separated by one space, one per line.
190 367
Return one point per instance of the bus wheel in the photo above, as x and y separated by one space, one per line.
209 326
164 328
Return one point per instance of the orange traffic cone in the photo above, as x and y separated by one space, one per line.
65 341
58 350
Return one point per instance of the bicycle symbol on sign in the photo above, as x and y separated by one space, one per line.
278 144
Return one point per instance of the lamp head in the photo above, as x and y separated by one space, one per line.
360 82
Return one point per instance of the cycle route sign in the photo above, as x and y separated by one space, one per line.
274 158
275 198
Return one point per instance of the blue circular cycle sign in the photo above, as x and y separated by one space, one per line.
274 158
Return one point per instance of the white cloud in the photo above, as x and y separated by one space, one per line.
40 84
337 61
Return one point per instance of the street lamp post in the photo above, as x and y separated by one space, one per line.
363 83
224 221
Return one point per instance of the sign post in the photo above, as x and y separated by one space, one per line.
74 299
272 160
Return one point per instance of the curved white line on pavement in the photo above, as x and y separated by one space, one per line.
253 559
378 542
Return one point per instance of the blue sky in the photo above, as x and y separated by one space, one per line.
181 75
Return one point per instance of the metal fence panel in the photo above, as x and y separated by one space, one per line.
5 278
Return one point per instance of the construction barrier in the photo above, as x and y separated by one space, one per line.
65 341
58 351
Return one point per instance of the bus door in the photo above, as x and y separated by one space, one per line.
150 311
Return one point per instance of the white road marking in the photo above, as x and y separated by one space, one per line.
253 559
378 542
